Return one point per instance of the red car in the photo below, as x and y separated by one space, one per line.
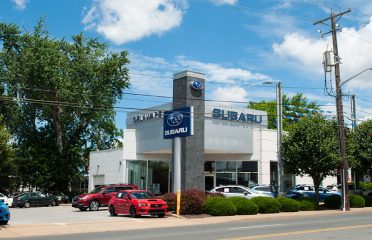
99 197
137 203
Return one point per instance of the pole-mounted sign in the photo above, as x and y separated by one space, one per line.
179 123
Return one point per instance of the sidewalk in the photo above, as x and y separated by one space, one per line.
33 230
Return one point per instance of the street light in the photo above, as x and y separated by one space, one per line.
356 75
279 127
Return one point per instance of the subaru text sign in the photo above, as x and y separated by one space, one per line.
179 123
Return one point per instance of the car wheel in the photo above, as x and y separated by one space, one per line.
133 212
27 205
53 203
161 215
3 222
83 209
94 205
112 211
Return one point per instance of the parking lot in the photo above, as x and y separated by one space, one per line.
63 214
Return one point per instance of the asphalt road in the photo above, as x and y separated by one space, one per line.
356 225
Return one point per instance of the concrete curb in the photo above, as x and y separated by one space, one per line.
33 230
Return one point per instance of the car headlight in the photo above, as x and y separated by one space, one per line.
143 204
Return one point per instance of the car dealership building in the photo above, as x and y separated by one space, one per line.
221 145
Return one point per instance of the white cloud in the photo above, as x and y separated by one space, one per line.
353 44
230 94
218 73
20 4
154 75
123 21
223 2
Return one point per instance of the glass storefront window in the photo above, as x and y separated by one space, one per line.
156 173
158 177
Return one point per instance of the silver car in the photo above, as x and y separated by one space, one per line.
237 191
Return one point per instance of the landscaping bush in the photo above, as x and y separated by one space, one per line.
192 201
307 205
288 205
368 186
368 201
171 200
267 204
219 206
333 201
362 185
356 201
244 206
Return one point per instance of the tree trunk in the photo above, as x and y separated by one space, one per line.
316 186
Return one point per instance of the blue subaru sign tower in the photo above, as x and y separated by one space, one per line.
185 123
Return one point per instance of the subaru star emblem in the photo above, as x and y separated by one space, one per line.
197 85
175 119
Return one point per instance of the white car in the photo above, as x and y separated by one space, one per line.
6 200
237 191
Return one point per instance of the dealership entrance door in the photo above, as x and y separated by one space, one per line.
209 181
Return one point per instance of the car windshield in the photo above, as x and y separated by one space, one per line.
96 190
142 195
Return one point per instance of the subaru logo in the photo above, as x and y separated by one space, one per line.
174 119
197 85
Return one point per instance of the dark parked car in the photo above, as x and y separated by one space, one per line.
34 199
99 197
60 197
299 191
4 213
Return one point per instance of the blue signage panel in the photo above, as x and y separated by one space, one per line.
179 123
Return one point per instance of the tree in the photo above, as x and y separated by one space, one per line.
293 108
6 159
64 92
362 148
310 147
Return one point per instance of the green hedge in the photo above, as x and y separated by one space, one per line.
267 204
368 186
368 201
307 205
333 201
288 205
244 206
219 206
356 201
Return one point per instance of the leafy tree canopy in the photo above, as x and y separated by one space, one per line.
58 99
362 146
310 147
293 108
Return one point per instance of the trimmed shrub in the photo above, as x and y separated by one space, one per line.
288 205
219 206
244 206
362 185
267 204
192 201
171 200
356 201
368 201
368 186
307 205
333 201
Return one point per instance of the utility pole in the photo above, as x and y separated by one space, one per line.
340 114
279 125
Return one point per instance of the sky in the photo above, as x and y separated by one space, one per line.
237 44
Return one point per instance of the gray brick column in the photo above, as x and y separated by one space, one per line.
192 147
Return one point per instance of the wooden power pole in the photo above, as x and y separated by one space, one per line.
340 113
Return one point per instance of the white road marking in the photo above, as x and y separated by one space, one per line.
258 226
136 220
59 224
